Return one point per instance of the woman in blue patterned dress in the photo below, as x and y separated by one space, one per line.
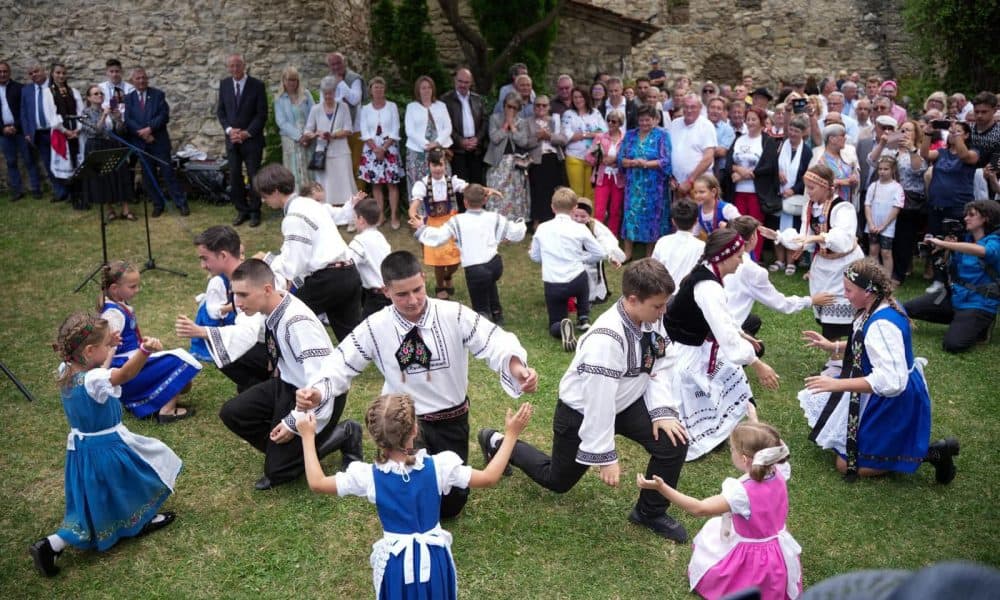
645 156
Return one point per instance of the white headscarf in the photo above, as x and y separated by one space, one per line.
788 163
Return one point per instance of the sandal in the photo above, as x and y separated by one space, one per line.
111 216
164 419
441 293
776 266
790 269
129 216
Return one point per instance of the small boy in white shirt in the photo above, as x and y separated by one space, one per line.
564 247
477 233
369 248
680 251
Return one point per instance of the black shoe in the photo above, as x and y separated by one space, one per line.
157 211
17 196
346 437
59 199
240 219
663 525
255 220
264 483
483 437
583 324
44 557
567 334
37 194
940 455
184 210
153 525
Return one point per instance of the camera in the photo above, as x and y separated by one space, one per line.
799 105
953 228
941 124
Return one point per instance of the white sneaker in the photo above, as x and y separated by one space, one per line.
935 287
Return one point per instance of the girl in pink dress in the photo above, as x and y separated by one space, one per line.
747 543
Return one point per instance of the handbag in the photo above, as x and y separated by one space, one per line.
318 160
792 205
914 201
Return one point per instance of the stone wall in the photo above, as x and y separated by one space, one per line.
183 44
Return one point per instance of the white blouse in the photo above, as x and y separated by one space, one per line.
572 122
371 118
359 478
319 122
415 125
887 354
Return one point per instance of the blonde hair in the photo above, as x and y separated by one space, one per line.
474 195
111 274
287 73
390 419
77 331
711 183
891 161
563 199
750 438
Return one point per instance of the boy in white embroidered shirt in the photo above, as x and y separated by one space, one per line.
369 248
681 250
477 233
564 247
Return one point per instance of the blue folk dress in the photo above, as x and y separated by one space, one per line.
413 559
218 287
115 480
163 376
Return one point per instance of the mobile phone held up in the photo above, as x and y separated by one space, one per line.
941 124
799 105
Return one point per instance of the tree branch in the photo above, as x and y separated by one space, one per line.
524 35
462 29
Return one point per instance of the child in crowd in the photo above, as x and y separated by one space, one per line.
406 486
115 481
884 200
215 307
680 251
599 290
564 247
165 375
746 544
436 195
477 233
714 211
369 247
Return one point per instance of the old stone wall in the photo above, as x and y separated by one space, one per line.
182 45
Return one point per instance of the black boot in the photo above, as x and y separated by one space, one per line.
940 455
44 557
346 437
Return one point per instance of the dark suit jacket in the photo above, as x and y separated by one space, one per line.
155 116
479 117
765 176
251 115
864 148
29 122
14 102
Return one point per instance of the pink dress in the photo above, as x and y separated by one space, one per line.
750 545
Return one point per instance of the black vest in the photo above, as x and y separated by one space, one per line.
684 320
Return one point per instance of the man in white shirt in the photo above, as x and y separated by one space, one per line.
516 70
421 346
850 91
692 143
835 104
115 87
617 101
680 251
313 256
724 134
300 357
469 121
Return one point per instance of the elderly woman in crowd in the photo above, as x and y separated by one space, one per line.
116 186
427 126
937 100
329 124
645 156
381 165
794 157
509 140
547 171
59 101
750 179
609 181
841 158
580 124
291 111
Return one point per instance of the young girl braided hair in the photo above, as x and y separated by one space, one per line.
115 480
746 544
413 558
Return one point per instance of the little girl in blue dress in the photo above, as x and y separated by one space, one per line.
216 308
413 558
115 480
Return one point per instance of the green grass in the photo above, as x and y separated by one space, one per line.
515 541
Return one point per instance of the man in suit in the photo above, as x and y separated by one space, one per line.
242 112
469 128
146 116
12 137
36 129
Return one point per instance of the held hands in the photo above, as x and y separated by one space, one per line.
673 428
516 422
152 344
610 474
281 434
525 376
306 399
306 424
415 222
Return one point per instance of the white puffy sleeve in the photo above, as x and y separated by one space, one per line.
357 480
736 495
450 471
215 297
97 382
115 319
842 234
884 345
711 299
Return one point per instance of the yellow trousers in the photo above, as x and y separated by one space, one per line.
578 174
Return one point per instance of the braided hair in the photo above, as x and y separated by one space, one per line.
111 274
750 438
873 278
390 420
77 331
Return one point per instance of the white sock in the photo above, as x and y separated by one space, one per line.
57 542
496 439
157 518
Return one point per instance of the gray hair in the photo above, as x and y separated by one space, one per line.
837 94
615 114
833 129
328 84
800 121
849 85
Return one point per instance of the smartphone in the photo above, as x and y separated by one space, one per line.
893 139
799 105
941 124
113 103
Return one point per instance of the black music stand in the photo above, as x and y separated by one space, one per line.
100 163
16 382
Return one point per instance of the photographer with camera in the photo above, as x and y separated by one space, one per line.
970 305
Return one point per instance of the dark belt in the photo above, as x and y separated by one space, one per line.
341 264
446 414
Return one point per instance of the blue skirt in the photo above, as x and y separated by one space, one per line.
163 376
199 347
442 585
895 432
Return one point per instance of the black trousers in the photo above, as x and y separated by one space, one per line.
468 166
249 154
965 327
336 292
372 301
560 472
482 281
905 244
453 435
249 369
254 413
558 294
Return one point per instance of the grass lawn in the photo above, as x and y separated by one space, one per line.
515 541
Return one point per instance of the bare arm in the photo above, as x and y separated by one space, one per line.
135 363
715 505
318 481
488 477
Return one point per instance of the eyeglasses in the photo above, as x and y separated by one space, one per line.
514 106
546 105
97 93
708 91
614 122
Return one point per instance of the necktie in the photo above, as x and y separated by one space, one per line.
413 351
40 117
238 86
273 352
142 101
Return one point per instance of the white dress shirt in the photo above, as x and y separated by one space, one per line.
679 252
369 248
468 121
751 283
310 241
7 114
564 246
476 232
108 88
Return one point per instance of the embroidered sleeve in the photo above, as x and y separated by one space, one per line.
97 382
599 360
451 472
736 495
311 348
228 343
292 262
357 480
487 341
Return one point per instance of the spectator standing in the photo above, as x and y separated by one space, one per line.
467 110
242 112
12 140
291 110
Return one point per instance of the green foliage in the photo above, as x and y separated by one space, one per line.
399 32
956 40
500 21
272 137
383 31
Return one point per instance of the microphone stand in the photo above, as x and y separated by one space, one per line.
148 171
